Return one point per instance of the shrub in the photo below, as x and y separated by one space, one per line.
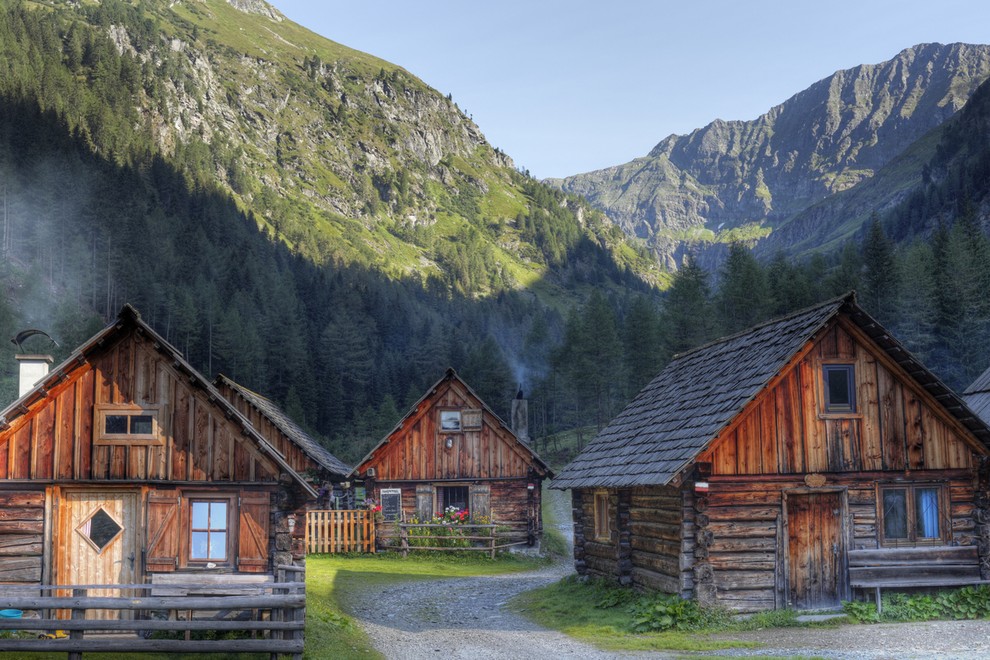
964 603
658 612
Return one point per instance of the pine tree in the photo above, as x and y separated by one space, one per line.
879 272
687 317
744 296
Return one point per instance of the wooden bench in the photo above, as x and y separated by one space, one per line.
931 566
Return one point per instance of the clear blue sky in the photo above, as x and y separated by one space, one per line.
571 86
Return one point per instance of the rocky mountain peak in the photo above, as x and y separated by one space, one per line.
740 180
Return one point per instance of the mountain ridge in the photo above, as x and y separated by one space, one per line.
750 177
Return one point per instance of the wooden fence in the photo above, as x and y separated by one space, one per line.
271 615
340 531
452 538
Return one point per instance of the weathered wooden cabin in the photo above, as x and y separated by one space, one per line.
123 463
303 452
452 450
787 466
325 472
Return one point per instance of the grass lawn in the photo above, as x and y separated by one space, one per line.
330 579
599 614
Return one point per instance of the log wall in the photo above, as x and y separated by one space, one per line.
746 522
22 527
511 503
656 515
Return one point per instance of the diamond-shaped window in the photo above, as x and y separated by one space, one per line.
100 529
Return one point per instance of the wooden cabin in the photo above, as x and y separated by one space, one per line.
124 464
303 452
797 464
324 471
452 450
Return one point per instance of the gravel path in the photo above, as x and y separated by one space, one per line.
945 640
467 618
463 618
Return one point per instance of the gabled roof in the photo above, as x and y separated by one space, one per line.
676 416
312 448
449 375
127 320
977 396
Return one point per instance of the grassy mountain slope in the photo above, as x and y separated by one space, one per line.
344 157
745 179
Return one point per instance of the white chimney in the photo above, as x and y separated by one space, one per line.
32 369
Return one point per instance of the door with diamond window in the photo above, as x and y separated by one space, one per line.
97 543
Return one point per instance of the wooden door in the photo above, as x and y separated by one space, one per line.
98 543
815 550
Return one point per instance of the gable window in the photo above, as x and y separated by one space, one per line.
912 514
840 388
471 419
124 424
602 517
450 420
209 525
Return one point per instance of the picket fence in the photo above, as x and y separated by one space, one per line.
340 531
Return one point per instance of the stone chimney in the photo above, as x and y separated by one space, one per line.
32 369
520 416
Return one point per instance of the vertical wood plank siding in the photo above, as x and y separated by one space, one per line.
895 426
55 441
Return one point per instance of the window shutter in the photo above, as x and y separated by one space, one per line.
480 501
252 541
163 531
424 502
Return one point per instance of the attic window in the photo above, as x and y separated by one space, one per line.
840 388
471 419
450 421
127 425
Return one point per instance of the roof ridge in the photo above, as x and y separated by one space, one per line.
849 296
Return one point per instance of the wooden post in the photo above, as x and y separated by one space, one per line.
404 540
492 532
76 614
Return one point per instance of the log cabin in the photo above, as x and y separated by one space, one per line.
796 464
123 464
452 450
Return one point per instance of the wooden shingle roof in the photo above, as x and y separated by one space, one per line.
700 392
977 396
311 447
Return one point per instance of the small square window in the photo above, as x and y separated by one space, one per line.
840 388
450 420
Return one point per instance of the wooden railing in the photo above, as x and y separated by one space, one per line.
456 538
340 531
273 621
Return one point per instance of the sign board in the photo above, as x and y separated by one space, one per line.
391 503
